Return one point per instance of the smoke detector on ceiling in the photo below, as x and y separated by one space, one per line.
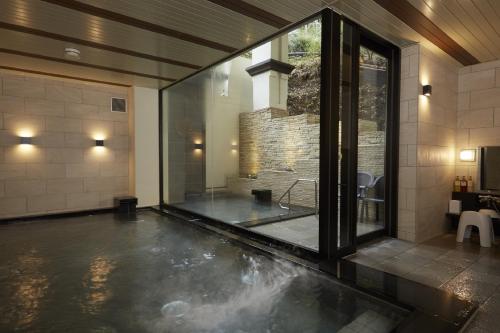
72 53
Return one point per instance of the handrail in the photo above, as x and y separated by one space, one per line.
315 181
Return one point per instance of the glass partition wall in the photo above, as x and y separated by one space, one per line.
252 142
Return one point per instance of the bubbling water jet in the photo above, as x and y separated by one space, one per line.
260 292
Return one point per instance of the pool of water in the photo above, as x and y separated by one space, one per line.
238 209
103 273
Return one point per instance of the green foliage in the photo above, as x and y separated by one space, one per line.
373 95
304 82
304 48
305 45
368 57
372 103
305 40
304 85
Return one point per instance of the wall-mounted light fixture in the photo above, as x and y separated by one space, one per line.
99 143
234 147
198 146
25 140
467 155
427 90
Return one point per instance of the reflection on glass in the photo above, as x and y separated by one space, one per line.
345 128
373 78
239 135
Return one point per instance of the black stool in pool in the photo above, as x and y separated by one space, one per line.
126 204
263 196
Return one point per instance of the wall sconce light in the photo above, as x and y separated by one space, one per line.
427 90
25 140
99 143
198 146
467 155
234 147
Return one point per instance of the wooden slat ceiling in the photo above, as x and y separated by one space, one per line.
155 42
474 24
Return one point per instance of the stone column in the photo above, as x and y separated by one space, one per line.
269 73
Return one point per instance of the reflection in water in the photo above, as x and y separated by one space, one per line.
95 282
30 286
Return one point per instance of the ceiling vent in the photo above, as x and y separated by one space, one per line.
118 104
72 53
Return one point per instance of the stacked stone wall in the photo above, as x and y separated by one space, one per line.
279 149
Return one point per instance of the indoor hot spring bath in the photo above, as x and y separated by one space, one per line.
152 273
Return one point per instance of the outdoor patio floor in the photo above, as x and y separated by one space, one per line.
304 231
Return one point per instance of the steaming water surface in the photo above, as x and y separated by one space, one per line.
155 274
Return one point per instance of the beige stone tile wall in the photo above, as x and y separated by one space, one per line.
63 170
408 131
478 120
437 122
427 142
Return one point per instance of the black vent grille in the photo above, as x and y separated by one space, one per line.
118 104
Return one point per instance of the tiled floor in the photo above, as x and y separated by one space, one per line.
467 270
305 230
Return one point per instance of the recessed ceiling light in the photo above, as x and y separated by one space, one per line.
72 53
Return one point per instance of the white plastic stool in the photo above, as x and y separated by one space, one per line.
482 221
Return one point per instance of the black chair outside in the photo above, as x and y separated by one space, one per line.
365 180
378 197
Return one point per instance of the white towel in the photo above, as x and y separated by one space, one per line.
455 207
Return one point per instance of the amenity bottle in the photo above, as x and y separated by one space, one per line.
470 185
463 184
456 185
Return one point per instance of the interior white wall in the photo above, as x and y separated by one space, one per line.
222 124
145 146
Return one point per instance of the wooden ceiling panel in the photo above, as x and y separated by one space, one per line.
474 24
173 38
378 20
55 49
16 61
202 19
291 11
59 20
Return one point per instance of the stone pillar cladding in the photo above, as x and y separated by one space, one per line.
270 87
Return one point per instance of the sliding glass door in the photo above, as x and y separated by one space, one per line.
367 138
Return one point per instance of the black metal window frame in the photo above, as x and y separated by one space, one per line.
329 143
